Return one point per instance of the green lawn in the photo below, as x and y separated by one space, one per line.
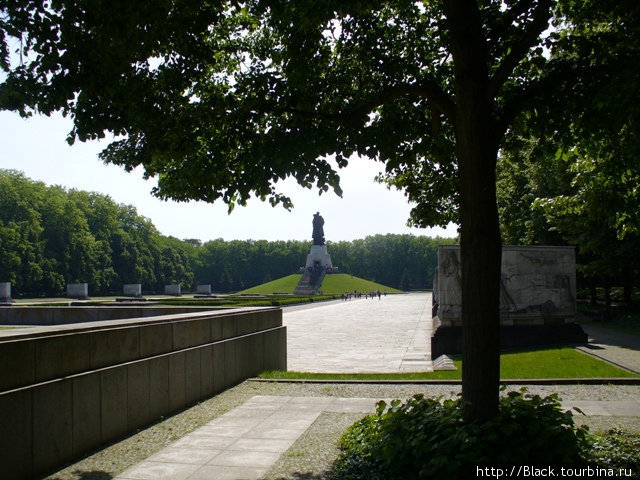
282 285
563 362
342 282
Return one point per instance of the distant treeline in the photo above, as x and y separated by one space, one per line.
50 236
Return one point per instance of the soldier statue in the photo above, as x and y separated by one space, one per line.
318 231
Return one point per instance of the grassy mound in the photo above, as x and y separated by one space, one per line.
335 283
281 285
342 282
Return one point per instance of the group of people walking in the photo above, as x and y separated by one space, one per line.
373 294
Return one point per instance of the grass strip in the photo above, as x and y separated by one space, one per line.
555 362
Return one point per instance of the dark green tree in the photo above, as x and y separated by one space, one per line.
221 100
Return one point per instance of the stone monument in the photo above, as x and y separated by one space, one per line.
318 261
537 298
5 292
132 290
173 289
318 257
78 290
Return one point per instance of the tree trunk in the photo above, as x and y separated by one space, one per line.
481 249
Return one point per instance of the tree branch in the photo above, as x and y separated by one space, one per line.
430 90
541 16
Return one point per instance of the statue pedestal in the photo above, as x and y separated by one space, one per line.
318 256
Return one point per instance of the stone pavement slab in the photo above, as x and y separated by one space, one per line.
617 347
387 335
243 443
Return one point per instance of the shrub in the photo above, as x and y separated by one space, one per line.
429 438
617 449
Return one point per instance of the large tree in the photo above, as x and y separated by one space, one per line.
221 100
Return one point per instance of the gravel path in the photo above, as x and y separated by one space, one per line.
312 454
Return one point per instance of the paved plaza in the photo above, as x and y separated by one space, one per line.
387 335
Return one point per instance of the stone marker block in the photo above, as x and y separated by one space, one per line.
204 289
132 290
172 290
5 292
78 290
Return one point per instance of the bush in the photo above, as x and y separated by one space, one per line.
429 438
617 450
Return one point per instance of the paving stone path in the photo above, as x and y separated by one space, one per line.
387 335
243 443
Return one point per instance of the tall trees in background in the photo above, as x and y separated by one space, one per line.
569 173
50 237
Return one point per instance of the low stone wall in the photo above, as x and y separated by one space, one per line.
34 315
447 340
67 391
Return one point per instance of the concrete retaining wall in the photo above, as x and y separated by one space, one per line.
26 315
68 391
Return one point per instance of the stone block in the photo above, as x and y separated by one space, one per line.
5 292
206 371
257 355
275 349
138 400
114 346
87 427
192 376
18 364
52 425
228 326
158 386
172 290
113 403
78 290
132 290
199 332
219 378
155 339
180 334
231 375
203 289
16 440
177 381
63 355
216 329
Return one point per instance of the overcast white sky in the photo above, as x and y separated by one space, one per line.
38 148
